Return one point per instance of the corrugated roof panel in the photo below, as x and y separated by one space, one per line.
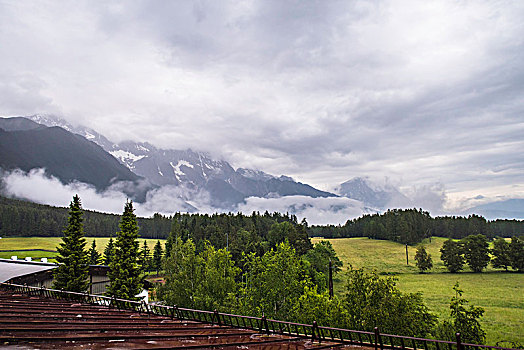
37 322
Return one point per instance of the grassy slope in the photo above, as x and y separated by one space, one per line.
501 294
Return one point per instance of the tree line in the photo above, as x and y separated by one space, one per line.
407 226
411 226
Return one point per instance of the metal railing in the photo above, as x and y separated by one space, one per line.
313 331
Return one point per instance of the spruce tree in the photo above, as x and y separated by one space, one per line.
72 271
124 270
93 255
108 252
157 257
145 258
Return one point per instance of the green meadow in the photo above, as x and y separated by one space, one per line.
50 243
500 293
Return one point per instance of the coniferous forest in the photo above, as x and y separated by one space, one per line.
409 226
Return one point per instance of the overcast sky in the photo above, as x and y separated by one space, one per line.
425 94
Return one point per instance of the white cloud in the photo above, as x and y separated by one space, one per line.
323 91
317 211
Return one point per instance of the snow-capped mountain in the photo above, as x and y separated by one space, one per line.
372 195
192 170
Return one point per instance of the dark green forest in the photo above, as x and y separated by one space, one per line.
409 226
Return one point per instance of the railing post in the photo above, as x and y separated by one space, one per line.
217 317
459 342
265 324
317 330
377 335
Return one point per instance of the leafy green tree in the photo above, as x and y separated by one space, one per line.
451 255
182 274
373 301
124 270
94 256
109 252
218 281
464 320
423 259
516 253
314 306
476 252
318 259
72 271
157 257
501 254
146 261
275 282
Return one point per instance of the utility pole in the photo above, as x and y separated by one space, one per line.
330 280
407 259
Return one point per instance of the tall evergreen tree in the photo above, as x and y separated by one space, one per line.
124 270
157 257
94 257
145 258
72 273
109 252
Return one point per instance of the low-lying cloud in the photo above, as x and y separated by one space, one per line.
317 211
38 187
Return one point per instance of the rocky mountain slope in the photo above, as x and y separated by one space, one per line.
195 171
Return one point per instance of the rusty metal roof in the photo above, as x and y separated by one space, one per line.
28 322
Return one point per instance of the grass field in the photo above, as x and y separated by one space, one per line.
500 293
50 243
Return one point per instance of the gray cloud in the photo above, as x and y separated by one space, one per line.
423 92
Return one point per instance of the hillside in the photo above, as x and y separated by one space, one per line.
67 156
498 292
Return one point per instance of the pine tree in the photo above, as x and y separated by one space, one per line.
93 255
72 273
124 270
423 259
108 252
157 257
145 258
